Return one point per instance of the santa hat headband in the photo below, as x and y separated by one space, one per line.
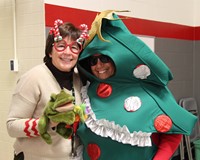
57 37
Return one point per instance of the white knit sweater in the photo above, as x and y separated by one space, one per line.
32 93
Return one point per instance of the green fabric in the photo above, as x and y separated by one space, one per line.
169 106
127 52
63 118
197 149
112 150
134 52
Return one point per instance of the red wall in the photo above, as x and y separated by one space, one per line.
135 25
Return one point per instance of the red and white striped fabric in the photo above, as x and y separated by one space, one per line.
31 128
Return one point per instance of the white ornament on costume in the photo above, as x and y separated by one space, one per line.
132 104
142 71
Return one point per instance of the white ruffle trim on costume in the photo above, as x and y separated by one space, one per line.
106 128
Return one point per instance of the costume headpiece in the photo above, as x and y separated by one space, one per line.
55 30
84 34
110 36
57 37
97 24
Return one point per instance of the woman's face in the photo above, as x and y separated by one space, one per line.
64 57
102 66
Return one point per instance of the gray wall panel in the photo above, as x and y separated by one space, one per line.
197 72
178 55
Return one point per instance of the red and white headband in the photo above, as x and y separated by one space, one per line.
57 37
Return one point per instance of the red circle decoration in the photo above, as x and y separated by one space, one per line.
104 90
162 123
93 151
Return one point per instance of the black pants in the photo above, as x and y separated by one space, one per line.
20 156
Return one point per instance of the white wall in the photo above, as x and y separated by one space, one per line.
30 34
173 11
196 12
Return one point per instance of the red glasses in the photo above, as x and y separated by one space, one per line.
74 47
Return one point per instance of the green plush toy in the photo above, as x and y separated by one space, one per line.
63 118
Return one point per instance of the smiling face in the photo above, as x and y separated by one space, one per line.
104 68
64 60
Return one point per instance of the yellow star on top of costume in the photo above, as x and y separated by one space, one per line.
96 25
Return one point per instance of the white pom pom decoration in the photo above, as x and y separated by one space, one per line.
142 71
132 103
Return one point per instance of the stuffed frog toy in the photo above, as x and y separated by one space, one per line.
64 119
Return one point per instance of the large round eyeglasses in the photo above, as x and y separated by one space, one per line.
74 47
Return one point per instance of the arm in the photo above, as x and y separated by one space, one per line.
167 145
22 121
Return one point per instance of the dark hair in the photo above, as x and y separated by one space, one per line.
66 30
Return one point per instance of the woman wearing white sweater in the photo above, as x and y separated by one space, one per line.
33 91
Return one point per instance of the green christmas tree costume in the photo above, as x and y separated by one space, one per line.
125 109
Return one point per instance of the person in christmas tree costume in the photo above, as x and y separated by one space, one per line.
132 115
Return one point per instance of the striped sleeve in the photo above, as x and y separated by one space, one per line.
31 127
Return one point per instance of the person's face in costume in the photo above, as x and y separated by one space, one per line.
102 66
65 54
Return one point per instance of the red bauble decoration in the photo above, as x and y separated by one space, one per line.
93 151
104 90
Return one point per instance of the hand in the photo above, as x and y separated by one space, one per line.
65 108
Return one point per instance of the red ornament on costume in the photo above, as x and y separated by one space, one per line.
93 151
104 90
163 123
